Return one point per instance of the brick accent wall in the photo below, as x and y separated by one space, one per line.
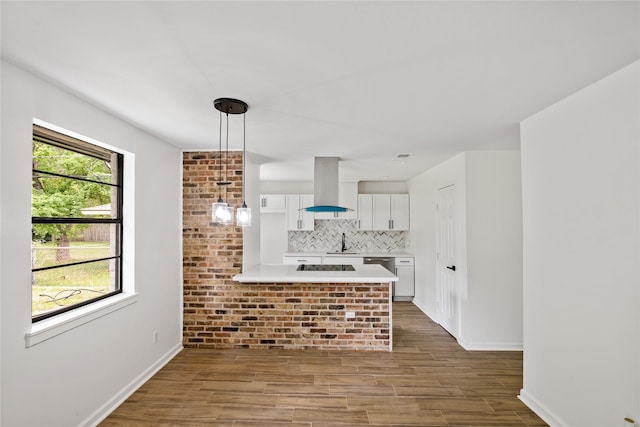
212 254
221 313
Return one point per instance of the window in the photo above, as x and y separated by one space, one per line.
76 208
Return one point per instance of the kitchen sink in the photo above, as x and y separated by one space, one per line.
342 253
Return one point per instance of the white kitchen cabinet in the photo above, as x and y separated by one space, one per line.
390 212
273 203
404 288
399 212
347 198
365 212
342 260
301 259
381 212
298 219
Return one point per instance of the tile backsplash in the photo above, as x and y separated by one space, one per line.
327 236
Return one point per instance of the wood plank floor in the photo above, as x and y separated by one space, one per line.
428 380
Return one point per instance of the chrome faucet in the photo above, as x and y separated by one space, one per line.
344 245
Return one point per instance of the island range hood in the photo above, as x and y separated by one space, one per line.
325 186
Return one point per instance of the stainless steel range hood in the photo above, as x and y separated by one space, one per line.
325 186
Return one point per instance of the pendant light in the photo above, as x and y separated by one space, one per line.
243 214
222 212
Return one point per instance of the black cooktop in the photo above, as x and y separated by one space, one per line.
319 267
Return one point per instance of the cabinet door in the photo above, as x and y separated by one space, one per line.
400 212
293 215
298 219
342 260
297 260
365 212
405 284
348 198
272 203
306 218
381 212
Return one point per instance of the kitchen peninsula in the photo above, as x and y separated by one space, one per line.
279 306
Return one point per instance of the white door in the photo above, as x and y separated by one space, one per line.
447 301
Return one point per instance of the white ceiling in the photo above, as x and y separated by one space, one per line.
364 81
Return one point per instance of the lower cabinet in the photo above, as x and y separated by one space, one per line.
342 260
297 260
404 289
327 260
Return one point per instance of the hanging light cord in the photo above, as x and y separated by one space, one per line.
244 154
220 159
226 163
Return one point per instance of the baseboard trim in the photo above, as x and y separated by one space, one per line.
540 410
491 346
101 413
424 310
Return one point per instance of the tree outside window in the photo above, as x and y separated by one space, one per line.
76 223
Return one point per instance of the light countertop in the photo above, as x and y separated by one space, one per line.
369 273
352 254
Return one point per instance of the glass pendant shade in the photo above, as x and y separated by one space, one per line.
243 216
222 213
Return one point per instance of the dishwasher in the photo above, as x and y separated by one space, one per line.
387 262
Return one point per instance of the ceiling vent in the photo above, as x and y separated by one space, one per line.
402 157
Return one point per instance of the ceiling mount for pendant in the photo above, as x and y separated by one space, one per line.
230 106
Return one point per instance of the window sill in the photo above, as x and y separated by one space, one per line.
57 325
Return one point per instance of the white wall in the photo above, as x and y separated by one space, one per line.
73 378
492 310
251 235
382 187
273 237
581 196
488 238
286 187
422 235
306 187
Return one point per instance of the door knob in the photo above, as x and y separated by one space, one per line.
451 267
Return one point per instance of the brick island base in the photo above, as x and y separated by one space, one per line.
294 316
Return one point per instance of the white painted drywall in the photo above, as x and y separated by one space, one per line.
422 235
382 187
492 309
488 236
286 187
581 196
74 378
273 237
251 235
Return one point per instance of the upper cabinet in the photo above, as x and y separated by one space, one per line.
382 212
347 198
365 212
399 211
298 219
273 203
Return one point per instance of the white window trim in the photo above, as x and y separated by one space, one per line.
46 329
54 326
